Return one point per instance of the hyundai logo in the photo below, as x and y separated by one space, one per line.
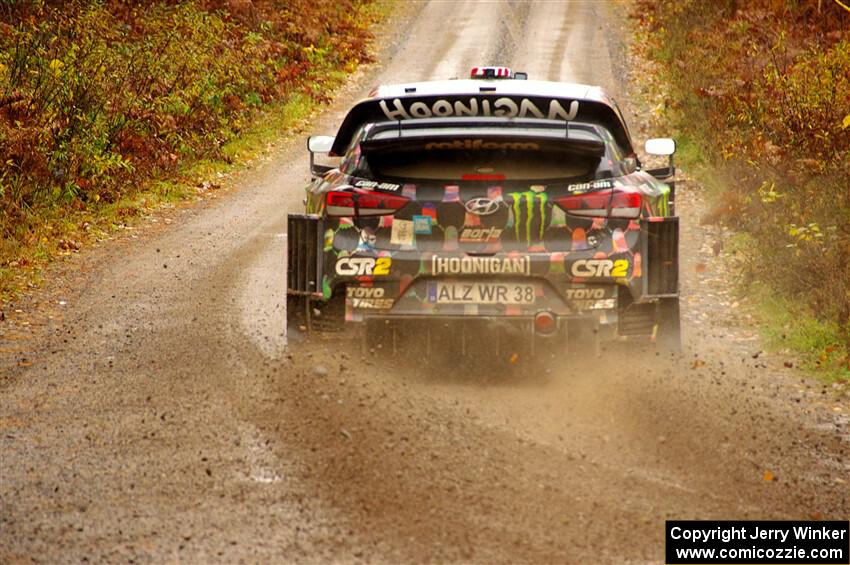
482 206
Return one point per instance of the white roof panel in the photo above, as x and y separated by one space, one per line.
499 86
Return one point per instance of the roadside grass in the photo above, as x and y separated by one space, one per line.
60 231
788 325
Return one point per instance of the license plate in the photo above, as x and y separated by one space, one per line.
480 293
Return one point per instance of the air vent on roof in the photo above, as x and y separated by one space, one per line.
409 89
487 89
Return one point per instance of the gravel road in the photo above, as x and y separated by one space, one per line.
149 411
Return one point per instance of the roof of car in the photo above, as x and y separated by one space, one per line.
498 86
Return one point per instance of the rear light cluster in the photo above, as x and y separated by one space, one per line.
483 176
490 72
358 202
612 203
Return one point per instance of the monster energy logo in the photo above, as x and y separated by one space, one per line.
529 200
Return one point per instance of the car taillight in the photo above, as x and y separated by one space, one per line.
545 323
483 176
357 202
613 203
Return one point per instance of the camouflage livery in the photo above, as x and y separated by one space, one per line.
487 244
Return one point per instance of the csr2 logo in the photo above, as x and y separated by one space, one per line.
359 266
600 268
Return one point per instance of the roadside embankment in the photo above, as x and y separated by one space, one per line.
758 95
109 109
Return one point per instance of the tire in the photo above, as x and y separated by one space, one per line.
295 320
376 339
325 317
583 339
668 337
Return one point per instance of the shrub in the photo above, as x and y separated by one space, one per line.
96 95
769 111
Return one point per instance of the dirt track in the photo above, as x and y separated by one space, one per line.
158 416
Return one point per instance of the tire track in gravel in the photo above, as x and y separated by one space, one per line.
127 436
426 480
452 468
584 467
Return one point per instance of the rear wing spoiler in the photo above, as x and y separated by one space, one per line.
582 138
481 105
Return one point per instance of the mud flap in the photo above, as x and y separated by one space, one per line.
304 245
304 268
668 336
660 249
656 311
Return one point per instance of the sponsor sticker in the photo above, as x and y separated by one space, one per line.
402 232
388 186
530 208
481 265
605 304
372 303
585 293
367 240
422 225
364 292
589 268
592 185
360 266
368 298
480 235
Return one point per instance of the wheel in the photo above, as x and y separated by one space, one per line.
583 339
668 336
376 337
295 318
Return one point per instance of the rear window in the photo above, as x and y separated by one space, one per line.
510 159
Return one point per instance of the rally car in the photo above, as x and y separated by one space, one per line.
482 212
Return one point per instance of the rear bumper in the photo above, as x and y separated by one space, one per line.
643 260
459 298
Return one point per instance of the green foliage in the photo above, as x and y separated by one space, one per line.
792 326
96 97
798 105
766 118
